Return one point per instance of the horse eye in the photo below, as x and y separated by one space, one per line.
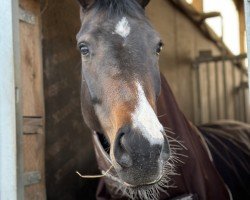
159 48
84 49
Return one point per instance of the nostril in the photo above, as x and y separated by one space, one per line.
121 155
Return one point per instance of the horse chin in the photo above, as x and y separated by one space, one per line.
146 191
144 184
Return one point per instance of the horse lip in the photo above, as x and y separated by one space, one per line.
146 184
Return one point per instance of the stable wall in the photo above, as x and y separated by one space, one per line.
68 141
183 40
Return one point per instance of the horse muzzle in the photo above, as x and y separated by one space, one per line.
140 161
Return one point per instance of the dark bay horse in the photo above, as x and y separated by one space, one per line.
145 147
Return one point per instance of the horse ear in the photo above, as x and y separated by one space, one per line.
86 3
143 3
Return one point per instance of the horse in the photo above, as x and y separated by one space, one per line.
145 147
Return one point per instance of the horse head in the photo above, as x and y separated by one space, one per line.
120 86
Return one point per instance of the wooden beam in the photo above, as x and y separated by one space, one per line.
33 101
242 25
10 113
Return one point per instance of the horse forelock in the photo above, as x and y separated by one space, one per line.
117 8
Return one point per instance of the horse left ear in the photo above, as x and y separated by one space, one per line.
143 3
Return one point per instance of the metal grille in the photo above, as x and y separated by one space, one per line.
220 88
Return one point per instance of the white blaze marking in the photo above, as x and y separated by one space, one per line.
122 27
145 119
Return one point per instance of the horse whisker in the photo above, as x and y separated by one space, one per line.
162 115
179 154
171 139
168 131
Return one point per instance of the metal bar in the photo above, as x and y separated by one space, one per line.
241 92
247 106
239 96
244 105
219 58
208 92
233 91
197 69
242 100
10 178
247 16
217 89
225 89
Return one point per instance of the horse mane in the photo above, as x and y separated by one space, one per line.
117 8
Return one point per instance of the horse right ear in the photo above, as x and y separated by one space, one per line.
86 3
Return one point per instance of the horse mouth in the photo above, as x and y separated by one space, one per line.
104 147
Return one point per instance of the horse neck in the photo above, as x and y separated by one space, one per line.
197 172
